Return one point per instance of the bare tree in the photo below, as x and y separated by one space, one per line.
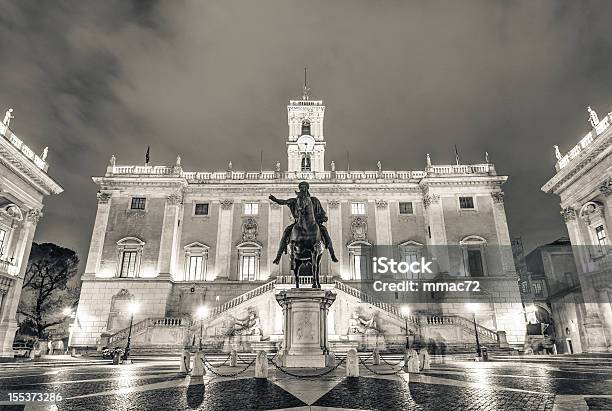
50 284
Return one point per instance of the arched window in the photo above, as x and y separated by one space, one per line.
474 257
196 262
306 127
129 252
359 260
249 254
306 163
410 252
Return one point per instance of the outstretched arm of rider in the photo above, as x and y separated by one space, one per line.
278 200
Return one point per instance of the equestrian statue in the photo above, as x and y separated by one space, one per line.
306 237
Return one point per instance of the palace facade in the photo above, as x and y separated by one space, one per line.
171 240
583 182
23 185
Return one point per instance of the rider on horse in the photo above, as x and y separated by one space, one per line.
320 217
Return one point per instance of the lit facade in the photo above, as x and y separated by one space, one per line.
583 183
174 239
23 183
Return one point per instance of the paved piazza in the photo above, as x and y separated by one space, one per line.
545 383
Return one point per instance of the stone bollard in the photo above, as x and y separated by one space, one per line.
424 360
376 357
116 359
261 365
185 362
198 369
411 361
352 363
233 358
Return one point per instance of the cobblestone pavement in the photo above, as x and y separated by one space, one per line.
156 384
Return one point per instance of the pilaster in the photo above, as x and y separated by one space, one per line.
334 228
275 232
167 247
94 257
224 239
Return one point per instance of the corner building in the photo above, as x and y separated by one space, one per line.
173 240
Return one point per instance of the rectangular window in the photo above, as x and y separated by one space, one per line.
251 208
600 232
128 264
466 203
201 209
196 265
405 208
138 203
537 288
358 208
248 267
475 263
2 242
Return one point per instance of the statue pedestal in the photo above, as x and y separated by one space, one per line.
305 327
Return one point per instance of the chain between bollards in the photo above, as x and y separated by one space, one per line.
209 368
278 367
395 372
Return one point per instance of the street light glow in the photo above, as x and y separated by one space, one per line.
133 308
202 311
405 310
67 311
473 307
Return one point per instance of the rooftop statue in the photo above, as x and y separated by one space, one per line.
8 116
557 152
593 118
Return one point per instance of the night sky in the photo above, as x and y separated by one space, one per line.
211 81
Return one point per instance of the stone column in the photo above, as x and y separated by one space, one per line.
224 239
98 235
167 246
275 232
8 322
334 227
606 190
594 333
435 221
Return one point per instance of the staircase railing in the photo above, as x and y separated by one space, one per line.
390 308
255 292
304 279
146 323
463 322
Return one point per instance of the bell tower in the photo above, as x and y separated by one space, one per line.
306 145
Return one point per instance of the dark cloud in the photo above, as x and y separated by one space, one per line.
210 80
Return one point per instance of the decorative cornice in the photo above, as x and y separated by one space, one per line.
274 206
568 213
226 204
104 198
430 199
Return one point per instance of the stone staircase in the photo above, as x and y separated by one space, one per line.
485 334
189 327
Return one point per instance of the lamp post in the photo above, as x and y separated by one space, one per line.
132 308
405 314
202 313
473 307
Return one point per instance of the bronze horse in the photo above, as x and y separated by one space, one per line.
305 246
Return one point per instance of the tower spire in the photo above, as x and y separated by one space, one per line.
306 92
